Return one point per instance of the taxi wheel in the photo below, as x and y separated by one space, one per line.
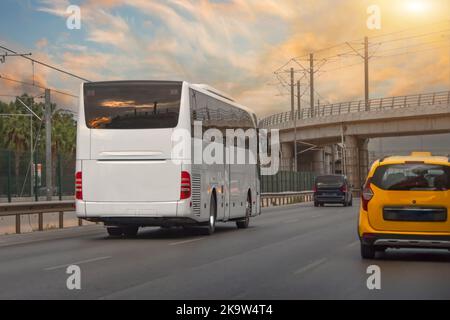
367 251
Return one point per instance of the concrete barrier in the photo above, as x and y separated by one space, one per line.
285 198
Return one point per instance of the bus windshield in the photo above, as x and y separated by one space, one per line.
132 104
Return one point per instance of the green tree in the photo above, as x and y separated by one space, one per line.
15 133
16 137
63 139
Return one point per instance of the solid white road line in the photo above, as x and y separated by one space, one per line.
353 244
185 241
310 266
42 239
77 263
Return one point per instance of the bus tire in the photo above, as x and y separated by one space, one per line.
209 230
243 224
114 231
130 232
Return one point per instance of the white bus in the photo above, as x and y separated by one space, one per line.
126 174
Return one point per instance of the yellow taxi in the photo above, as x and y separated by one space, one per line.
405 204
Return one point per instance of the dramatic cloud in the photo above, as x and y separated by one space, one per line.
236 46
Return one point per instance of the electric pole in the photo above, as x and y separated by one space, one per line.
366 58
366 72
299 107
48 146
292 93
311 83
294 117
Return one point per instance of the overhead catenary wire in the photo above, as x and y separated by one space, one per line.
2 77
412 28
45 64
414 46
421 35
447 21
411 37
412 52
375 49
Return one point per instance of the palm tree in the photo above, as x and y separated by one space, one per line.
16 133
63 138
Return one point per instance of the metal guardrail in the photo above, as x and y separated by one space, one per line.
18 209
388 103
280 199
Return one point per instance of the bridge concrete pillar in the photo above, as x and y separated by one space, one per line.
328 159
287 156
305 161
333 159
356 161
363 147
318 161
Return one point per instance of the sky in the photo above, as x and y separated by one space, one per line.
233 45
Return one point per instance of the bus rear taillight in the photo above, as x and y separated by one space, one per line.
185 185
78 186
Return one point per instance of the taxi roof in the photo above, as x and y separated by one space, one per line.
425 157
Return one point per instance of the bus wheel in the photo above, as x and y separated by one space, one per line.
130 232
212 217
114 231
243 224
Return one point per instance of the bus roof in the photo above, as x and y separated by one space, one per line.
206 89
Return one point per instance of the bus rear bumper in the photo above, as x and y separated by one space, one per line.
136 213
144 221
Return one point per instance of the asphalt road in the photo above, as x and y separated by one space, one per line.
291 252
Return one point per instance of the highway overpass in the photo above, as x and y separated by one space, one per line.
352 124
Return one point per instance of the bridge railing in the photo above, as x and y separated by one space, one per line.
380 104
18 209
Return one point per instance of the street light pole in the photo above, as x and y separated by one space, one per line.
366 73
32 113
294 118
48 146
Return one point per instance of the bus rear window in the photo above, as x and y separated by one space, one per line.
410 176
132 104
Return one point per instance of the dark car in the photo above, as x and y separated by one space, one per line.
332 189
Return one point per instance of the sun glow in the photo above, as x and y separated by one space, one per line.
416 6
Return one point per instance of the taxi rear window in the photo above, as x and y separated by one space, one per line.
413 177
